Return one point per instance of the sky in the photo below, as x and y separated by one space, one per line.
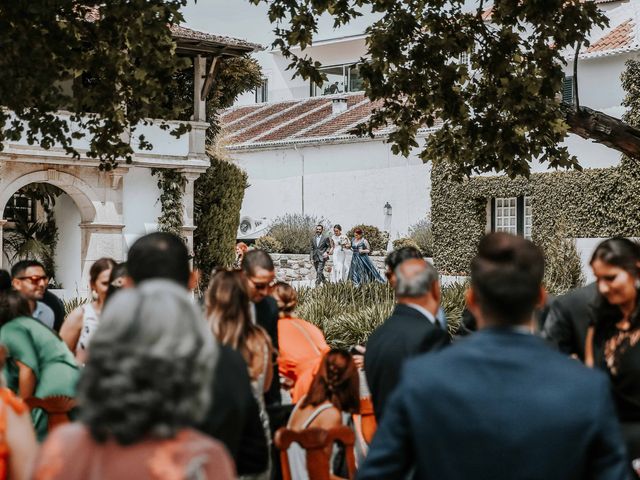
242 19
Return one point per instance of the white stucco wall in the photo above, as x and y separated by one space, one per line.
68 262
347 184
141 207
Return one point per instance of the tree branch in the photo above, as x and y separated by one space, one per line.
604 129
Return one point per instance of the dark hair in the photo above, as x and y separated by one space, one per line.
150 366
506 275
320 225
398 256
21 267
623 253
337 225
118 272
286 296
100 266
13 305
338 381
256 258
159 255
358 231
5 280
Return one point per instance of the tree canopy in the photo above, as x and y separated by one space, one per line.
488 78
109 64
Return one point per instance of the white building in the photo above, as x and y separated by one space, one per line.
292 138
101 213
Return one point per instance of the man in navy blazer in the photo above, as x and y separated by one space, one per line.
412 329
500 404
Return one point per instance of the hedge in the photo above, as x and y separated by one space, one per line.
601 202
218 198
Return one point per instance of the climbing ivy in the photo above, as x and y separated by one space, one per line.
171 184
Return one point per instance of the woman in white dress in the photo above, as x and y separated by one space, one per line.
339 246
81 323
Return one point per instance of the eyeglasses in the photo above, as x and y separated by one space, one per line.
263 286
35 279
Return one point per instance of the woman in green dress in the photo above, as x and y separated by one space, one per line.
39 363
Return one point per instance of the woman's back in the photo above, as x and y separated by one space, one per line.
71 453
302 346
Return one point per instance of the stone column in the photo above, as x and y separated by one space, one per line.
188 222
199 74
99 240
3 222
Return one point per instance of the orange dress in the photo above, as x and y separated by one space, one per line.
301 348
7 399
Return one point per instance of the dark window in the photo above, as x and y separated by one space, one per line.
20 207
262 92
567 90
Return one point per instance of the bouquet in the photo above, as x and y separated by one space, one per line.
344 242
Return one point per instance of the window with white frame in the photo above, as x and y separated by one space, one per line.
262 92
512 215
340 79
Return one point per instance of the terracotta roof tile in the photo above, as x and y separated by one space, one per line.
620 37
291 129
248 121
232 115
345 120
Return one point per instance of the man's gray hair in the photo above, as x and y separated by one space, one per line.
150 365
417 284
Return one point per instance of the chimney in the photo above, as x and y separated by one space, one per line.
338 105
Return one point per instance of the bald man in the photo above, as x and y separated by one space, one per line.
412 329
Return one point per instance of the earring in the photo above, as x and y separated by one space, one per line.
94 295
637 283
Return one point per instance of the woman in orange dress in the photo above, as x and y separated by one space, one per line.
301 343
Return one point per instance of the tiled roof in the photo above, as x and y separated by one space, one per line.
294 121
621 36
183 33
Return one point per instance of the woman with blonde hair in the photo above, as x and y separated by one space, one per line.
301 343
229 315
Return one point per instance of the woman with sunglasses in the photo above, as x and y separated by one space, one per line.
39 364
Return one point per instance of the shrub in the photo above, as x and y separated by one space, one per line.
376 238
218 198
348 314
421 233
294 231
563 269
405 242
269 244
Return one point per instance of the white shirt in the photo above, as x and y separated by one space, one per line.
424 312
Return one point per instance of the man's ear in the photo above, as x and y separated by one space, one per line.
15 283
194 278
127 282
542 297
436 291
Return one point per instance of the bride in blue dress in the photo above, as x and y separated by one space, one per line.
362 268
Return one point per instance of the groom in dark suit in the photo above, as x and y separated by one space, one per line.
501 404
320 246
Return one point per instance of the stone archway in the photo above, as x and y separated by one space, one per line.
98 197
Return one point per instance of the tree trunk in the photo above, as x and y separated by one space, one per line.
605 129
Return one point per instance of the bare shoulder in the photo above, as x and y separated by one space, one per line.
329 418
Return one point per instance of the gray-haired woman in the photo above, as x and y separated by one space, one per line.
146 380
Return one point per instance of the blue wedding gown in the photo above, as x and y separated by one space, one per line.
362 268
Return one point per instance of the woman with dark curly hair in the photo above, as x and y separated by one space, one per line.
146 380
613 342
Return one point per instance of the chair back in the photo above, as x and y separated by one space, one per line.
57 408
316 442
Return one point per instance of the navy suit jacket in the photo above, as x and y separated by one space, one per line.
498 405
405 334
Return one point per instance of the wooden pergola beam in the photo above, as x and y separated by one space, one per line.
206 88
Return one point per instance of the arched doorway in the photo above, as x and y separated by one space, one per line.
89 225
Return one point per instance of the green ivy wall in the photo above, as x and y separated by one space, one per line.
591 203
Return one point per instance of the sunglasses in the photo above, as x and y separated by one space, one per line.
35 279
264 286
